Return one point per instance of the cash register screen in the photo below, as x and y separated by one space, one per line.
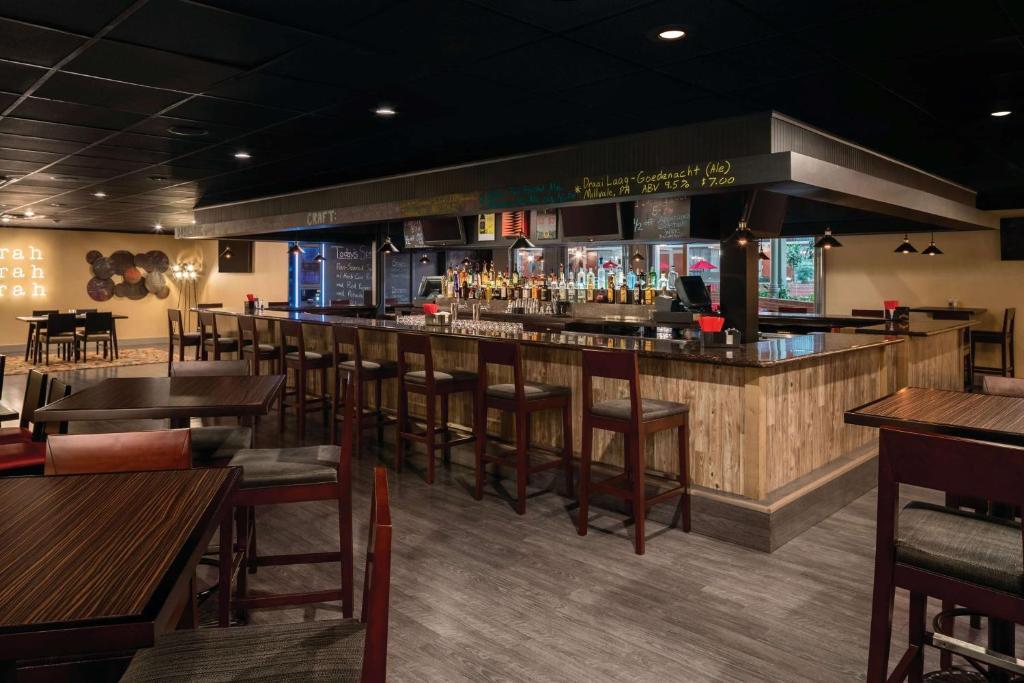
430 285
693 293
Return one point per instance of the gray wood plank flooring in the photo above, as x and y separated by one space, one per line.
481 594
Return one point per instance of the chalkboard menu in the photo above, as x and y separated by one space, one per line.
349 271
662 219
398 278
413 234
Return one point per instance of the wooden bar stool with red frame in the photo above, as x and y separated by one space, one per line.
431 384
522 399
210 338
635 418
254 350
294 356
350 379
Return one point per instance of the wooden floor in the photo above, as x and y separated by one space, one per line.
481 594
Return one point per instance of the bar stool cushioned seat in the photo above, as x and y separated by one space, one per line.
307 651
651 408
263 347
369 365
1002 386
286 466
532 391
420 376
310 355
219 442
971 547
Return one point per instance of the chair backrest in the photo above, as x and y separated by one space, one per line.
167 449
43 311
868 313
86 310
207 326
175 324
377 582
419 345
35 397
347 335
1002 386
506 353
621 365
210 368
209 305
1008 318
98 323
341 302
291 337
61 323
248 333
58 390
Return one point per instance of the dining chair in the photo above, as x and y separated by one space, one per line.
25 456
215 443
33 328
98 327
176 334
35 397
163 449
328 650
60 329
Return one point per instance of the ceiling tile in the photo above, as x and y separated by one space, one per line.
145 66
20 42
81 17
98 92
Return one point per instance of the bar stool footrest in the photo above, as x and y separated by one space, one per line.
286 599
297 558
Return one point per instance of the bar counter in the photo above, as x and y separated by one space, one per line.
770 454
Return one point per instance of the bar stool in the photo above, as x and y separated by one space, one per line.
522 399
302 362
176 333
432 384
634 418
210 339
357 373
253 349
1003 339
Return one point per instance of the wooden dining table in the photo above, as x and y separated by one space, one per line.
176 398
95 566
34 320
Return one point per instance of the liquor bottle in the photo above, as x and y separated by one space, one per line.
649 292
569 293
652 278
581 279
602 275
591 281
663 281
631 281
623 296
672 276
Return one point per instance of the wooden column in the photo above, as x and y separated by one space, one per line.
739 287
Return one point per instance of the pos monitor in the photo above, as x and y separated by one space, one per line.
693 293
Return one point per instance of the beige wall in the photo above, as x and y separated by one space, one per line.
865 271
65 274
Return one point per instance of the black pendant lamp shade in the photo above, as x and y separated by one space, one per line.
424 259
760 253
931 249
522 242
743 235
637 257
294 250
319 258
827 241
906 247
388 247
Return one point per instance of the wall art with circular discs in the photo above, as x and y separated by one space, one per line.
127 275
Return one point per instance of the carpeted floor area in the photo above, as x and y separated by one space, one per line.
17 365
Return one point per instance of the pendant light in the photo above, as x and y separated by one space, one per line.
637 257
319 258
226 254
827 241
522 242
388 247
760 253
742 235
931 249
466 263
295 249
906 247
424 259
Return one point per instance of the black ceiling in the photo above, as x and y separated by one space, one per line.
89 91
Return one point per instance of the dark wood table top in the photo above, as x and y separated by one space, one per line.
957 413
88 562
918 327
141 398
80 316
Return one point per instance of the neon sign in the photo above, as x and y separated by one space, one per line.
21 272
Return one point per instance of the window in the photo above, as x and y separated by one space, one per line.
790 280
705 260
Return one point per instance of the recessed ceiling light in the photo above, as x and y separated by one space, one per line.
158 177
1002 112
5 219
242 155
670 33
99 195
187 131
57 204
385 110
29 213
158 228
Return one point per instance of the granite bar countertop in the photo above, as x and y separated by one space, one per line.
766 353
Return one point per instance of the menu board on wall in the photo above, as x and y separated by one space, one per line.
662 219
397 278
349 271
